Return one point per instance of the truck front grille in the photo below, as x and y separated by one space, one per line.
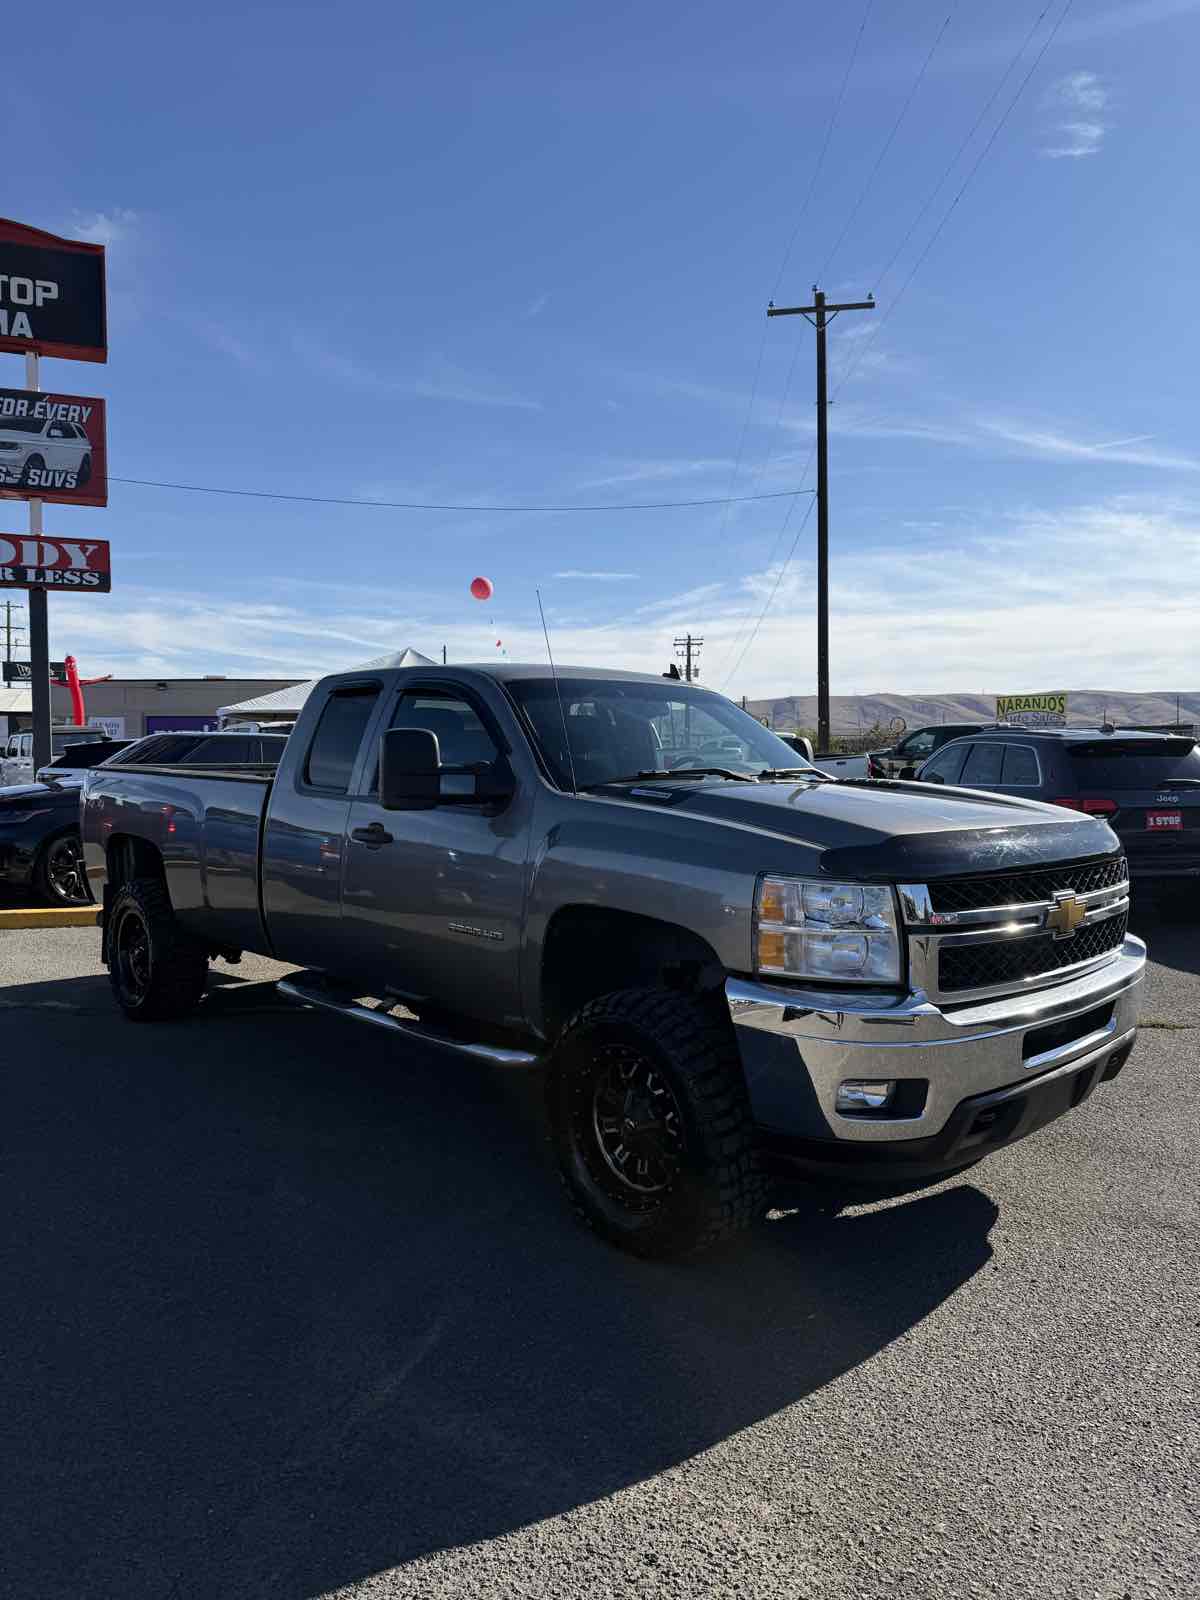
1012 961
1026 888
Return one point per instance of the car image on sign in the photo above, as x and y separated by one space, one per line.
38 454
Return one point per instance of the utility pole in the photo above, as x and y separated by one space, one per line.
687 648
9 608
820 314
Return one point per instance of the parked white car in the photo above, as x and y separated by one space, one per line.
33 446
16 763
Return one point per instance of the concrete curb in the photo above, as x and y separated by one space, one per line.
50 917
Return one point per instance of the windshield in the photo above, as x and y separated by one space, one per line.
619 728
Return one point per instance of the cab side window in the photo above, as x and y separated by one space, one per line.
918 745
983 766
1021 768
335 744
946 765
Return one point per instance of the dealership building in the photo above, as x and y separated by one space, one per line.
130 707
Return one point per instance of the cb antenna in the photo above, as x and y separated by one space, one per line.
562 710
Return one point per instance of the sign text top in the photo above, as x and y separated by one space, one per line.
51 294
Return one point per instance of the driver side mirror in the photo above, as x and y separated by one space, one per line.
908 772
409 770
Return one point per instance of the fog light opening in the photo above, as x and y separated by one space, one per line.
865 1094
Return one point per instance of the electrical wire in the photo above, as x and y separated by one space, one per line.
774 591
979 160
887 145
814 177
1048 41
422 505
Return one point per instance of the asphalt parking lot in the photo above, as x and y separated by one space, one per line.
292 1312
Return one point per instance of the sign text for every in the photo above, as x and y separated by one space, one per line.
44 410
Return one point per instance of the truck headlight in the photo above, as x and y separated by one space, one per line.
840 932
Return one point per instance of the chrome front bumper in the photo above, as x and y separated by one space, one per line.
798 1045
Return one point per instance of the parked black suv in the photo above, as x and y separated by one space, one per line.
1146 786
903 758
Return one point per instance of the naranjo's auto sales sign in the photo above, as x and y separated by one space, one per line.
1033 710
51 294
35 561
52 447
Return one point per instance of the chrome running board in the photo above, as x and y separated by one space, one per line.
311 994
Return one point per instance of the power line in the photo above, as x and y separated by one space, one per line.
774 591
731 498
420 505
816 172
979 160
887 145
865 343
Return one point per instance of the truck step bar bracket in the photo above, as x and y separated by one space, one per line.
306 988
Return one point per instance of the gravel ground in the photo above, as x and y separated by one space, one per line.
292 1312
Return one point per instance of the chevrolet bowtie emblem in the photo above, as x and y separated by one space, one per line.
1068 913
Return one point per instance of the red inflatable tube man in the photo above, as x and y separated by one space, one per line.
76 685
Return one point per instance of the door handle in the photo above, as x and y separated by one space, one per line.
375 834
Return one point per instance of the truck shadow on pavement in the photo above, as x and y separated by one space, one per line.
289 1305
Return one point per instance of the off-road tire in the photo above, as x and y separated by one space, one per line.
168 984
717 1188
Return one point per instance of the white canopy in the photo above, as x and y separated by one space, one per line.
284 703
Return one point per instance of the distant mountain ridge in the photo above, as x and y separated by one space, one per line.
1085 708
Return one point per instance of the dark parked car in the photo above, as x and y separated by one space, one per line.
1146 786
902 760
39 841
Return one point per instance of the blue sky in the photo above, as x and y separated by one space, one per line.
520 255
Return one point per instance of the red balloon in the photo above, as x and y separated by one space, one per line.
481 588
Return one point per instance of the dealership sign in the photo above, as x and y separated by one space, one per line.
35 561
52 447
1033 710
51 294
22 671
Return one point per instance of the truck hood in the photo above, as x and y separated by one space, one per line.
905 832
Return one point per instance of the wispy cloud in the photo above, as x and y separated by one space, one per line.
648 471
103 227
439 379
1079 101
605 577
535 307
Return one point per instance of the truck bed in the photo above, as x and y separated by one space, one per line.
207 823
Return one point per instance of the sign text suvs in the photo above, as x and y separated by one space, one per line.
30 561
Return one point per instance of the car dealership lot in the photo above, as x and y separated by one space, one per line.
293 1311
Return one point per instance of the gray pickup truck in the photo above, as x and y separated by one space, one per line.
726 964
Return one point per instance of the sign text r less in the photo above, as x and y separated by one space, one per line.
37 561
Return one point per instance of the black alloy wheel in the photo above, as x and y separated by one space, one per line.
636 1124
61 875
131 960
84 475
33 464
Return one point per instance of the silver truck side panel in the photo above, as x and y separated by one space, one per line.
206 828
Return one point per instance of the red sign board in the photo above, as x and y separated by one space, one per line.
51 294
52 447
36 561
